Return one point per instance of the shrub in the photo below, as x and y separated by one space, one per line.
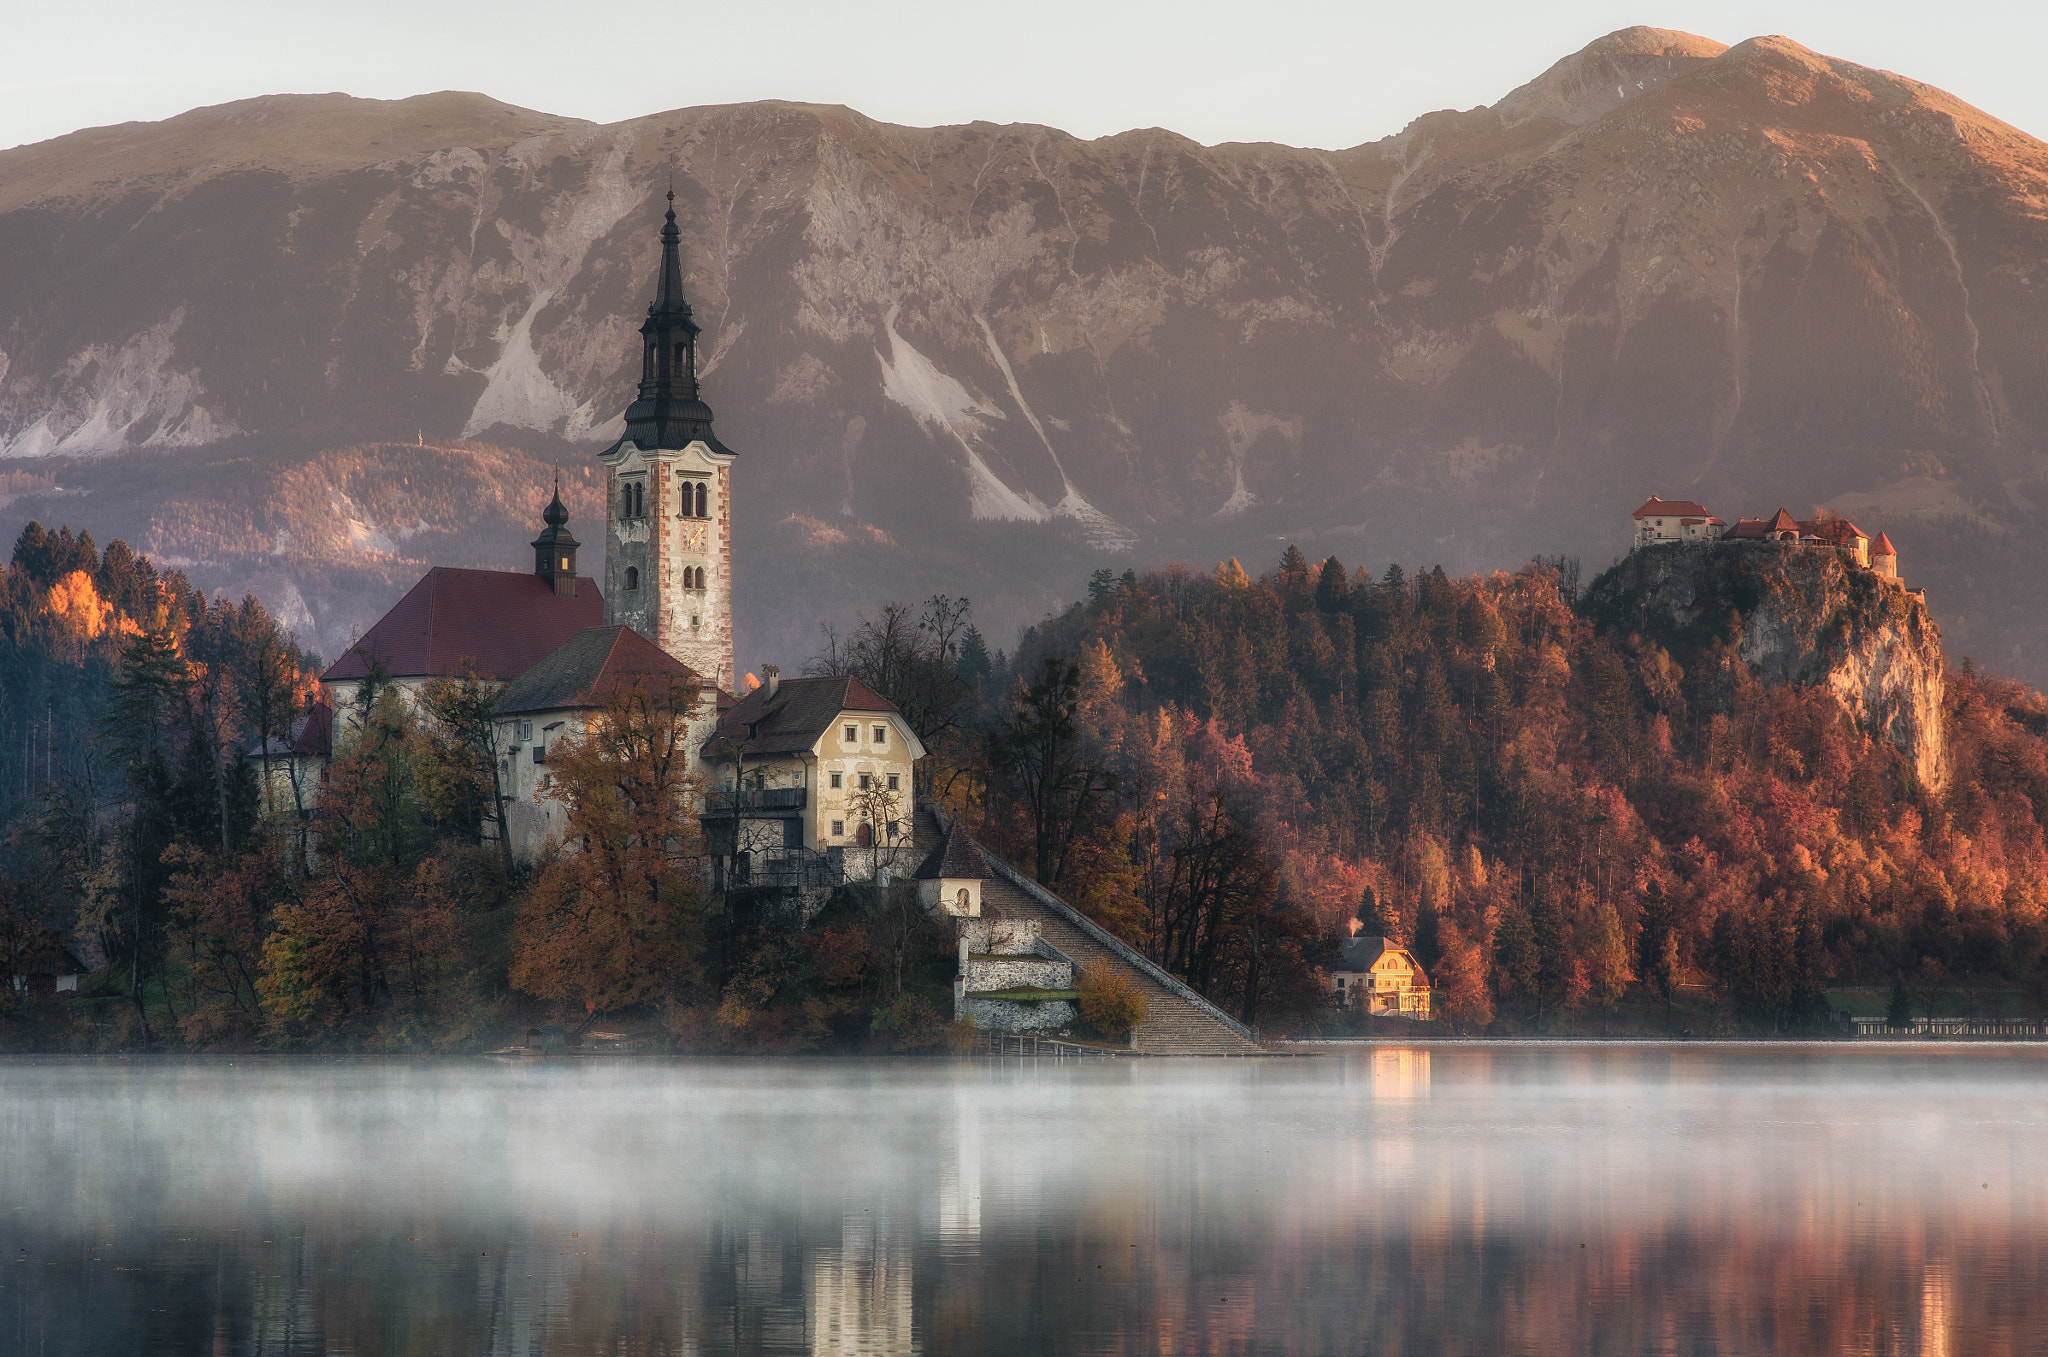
1111 1001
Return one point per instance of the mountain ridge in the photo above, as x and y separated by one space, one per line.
1758 275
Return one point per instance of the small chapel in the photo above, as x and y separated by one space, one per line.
809 778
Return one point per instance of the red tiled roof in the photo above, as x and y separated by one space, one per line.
1883 546
502 621
1784 522
1745 528
587 668
801 710
1837 530
1671 508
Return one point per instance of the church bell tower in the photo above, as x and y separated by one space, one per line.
668 521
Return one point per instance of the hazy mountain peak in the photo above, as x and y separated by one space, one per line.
1606 73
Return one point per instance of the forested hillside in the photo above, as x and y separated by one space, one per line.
1561 817
1570 823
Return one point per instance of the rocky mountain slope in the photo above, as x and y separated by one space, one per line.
988 358
1794 615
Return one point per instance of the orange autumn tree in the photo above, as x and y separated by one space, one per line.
612 921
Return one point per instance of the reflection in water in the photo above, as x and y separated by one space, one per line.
1555 1200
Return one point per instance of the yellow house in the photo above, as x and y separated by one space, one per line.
812 765
1376 976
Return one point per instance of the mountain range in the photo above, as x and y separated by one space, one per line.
309 343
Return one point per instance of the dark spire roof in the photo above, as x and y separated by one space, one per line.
670 411
958 858
555 516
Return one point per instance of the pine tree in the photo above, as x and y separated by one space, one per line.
1375 919
1332 586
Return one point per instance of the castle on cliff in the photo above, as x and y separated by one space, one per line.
1663 521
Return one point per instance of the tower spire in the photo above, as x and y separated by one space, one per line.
670 411
554 551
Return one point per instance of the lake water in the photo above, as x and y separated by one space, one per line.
1564 1199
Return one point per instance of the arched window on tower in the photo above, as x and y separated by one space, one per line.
632 577
639 499
702 500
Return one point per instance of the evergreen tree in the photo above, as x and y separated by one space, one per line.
1332 586
1376 920
1898 1013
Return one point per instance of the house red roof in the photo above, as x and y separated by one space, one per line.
1672 508
1745 529
1883 547
505 623
1783 522
587 668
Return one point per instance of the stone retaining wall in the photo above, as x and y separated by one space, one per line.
1007 1015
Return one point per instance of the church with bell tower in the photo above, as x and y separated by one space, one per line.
668 482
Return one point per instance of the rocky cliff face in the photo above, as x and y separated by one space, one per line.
1797 615
990 358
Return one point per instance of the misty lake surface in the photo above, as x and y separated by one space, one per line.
1456 1199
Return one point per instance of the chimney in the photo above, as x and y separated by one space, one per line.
773 678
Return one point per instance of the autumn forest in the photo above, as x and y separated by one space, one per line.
1576 828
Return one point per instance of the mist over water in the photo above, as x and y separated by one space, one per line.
1624 1199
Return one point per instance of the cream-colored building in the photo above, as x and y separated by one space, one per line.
1377 976
812 766
1674 520
949 880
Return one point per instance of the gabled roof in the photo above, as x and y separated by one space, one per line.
958 857
48 956
504 622
1783 522
1883 546
1361 952
801 710
1837 530
587 668
1672 508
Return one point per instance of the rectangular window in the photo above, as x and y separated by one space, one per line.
881 735
838 781
892 782
839 829
540 753
892 828
853 734
792 833
865 782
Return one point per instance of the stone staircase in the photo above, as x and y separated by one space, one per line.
1177 1022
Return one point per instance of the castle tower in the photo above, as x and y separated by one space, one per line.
668 519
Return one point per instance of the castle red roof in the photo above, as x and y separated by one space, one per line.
1883 546
1839 531
504 623
1672 508
1783 522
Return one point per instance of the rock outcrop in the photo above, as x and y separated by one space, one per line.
1797 615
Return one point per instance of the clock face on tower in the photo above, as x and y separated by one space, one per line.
693 537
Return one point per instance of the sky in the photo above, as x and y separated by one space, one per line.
1303 72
